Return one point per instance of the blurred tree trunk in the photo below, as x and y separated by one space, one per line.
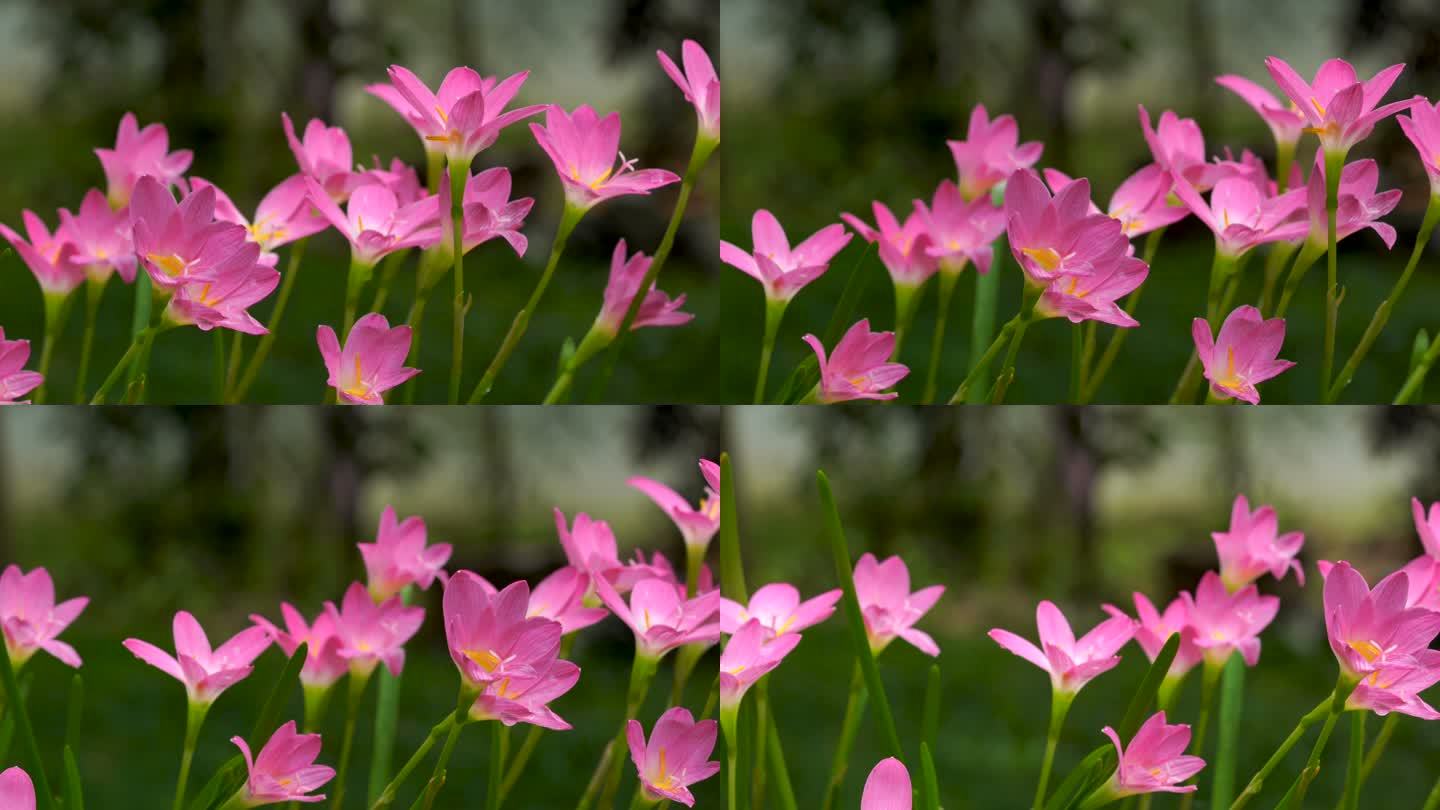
1078 468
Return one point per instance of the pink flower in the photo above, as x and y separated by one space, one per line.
904 249
661 617
675 756
1358 206
283 216
139 153
50 257
102 238
1051 238
781 270
560 597
1141 202
751 654
697 525
399 556
375 224
1178 147
1093 296
888 787
1252 548
1339 108
1427 526
1285 122
524 698
1423 572
205 673
960 232
372 633
1154 629
1422 127
1242 216
372 362
583 147
859 368
1071 663
989 153
16 790
31 620
285 770
323 664
1243 355
488 213
236 283
1398 689
1155 762
180 243
1225 623
888 606
490 636
626 276
1374 630
323 156
15 382
777 607
590 546
698 82
464 118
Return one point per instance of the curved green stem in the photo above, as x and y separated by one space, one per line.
1416 380
459 176
1059 707
1117 339
1257 782
594 342
194 719
1295 797
948 278
1334 165
982 325
136 347
355 281
1030 298
907 300
1309 253
1382 740
387 796
849 727
57 311
272 329
1210 677
498 742
729 727
642 672
416 321
459 720
94 293
1356 763
358 682
1432 802
961 394
774 314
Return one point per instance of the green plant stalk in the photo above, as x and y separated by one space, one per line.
416 322
434 168
949 276
730 728
1377 749
1433 800
355 281
497 765
1059 707
1221 268
232 369
1029 299
931 781
459 177
685 660
776 754
317 705
127 360
594 342
568 221
521 758
1416 381
1227 750
849 726
1276 259
1295 797
962 393
642 673
387 796
140 316
1257 782
1209 679
1309 253
459 719
94 294
267 341
930 718
389 267
194 719
74 798
358 681
907 301
982 326
1356 762
732 568
15 705
387 711
1334 165
57 310
74 709
760 777
774 314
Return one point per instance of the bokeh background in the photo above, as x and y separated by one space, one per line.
219 74
834 103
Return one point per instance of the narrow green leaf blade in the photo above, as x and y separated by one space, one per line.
1144 698
932 784
269 718
732 568
1232 702
15 704
74 796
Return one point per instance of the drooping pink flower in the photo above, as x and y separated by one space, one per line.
283 216
1094 296
1242 216
887 787
372 633
323 665
560 597
990 153
781 270
488 213
1178 147
205 673
375 224
30 619
223 300
1254 547
464 117
15 382
859 367
1422 127
676 756
16 789
285 770
140 153
180 243
1286 123
399 556
1155 761
372 361
1243 355
661 617
1059 236
102 238
697 524
626 276
699 83
960 232
50 257
525 698
492 637
778 609
1070 663
904 249
1228 622
1141 202
324 156
1359 205
1153 629
751 655
888 606
583 146
1373 630
1339 107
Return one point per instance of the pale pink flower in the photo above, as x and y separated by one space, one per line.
781 270
590 546
961 232
180 243
401 178
751 655
778 609
371 633
139 153
1254 547
1154 629
905 250
583 146
1373 630
697 524
1178 147
859 367
1093 296
1427 526
371 362
17 792
205 673
491 637
676 756
374 222
560 597
990 153
488 211
1228 622
1358 206
15 382
1155 761
1141 202
1285 121
323 156
102 237
525 698
1243 216
1060 236
661 617
50 257
30 619
888 606
1339 108
887 787
1398 689
626 276
323 664
698 82
465 115
1243 355
285 770
223 299
399 556
1071 663
283 216
1422 127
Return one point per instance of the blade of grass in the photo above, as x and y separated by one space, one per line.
779 769
73 712
732 569
807 373
1232 702
932 784
15 704
1144 698
74 796
930 725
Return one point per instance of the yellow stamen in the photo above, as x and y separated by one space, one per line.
170 263
1047 257
487 659
1368 650
1320 108
359 389
1230 379
664 781
595 184
780 631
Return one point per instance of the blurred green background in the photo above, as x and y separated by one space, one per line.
218 74
834 103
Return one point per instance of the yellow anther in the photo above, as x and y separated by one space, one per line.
486 659
1368 650
1047 257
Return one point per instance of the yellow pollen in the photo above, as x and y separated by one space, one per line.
1225 218
1320 108
359 389
736 670
1047 257
172 265
858 381
1230 379
596 183
444 119
102 254
1073 288
664 781
647 617
1119 213
1368 650
780 631
487 659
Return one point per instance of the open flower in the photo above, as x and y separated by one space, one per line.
990 152
1153 629
1178 147
583 146
1422 127
492 637
698 82
1093 296
50 257
960 231
375 224
372 361
1373 630
1141 202
16 789
180 243
751 655
1243 355
589 546
399 556
1070 663
559 597
889 608
781 270
1286 123
859 367
1059 236
285 770
525 698
283 216
676 756
697 524
1339 108
904 249
1155 761
30 619
464 117
887 787
488 213
626 276
324 156
102 238
323 664
371 633
223 300
661 617
205 673
1242 215
140 153
1254 547
1228 622
15 382
1398 689
1359 205
778 609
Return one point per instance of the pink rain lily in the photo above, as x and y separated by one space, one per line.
372 361
15 382
17 792
399 557
904 249
698 82
50 257
491 637
1359 205
375 224
1286 123
1155 761
488 213
583 147
783 271
887 787
859 368
675 757
778 609
464 117
661 617
1422 127
324 156
400 178
1243 355
990 153
205 673
1093 296
1070 663
888 606
140 153
102 237
697 524
960 232
1228 622
1059 236
1253 547
1178 147
559 597
371 633
751 655
1424 571
235 284
323 664
626 276
525 698
1141 202
590 546
1399 689
180 243
30 619
1373 630
1339 108
1427 525
283 216
1243 216
285 770
1154 629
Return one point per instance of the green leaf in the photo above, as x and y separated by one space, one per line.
225 782
74 711
387 710
15 704
732 569
807 373
1092 772
74 796
930 726
932 784
269 718
1232 700
1417 352
1143 700
778 768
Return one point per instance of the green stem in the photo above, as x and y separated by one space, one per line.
94 293
762 719
57 310
1209 678
774 313
907 300
729 727
232 370
1334 165
949 276
1304 260
388 269
459 177
355 281
1416 381
1221 268
497 766
1257 782
459 720
141 340
387 710
1276 259
387 796
1295 797
1432 802
1356 763
595 341
287 283
416 321
783 787
1059 707
521 758
685 660
961 394
1117 338
1377 749
642 673
987 287
1029 299
358 682
1232 698
140 316
849 727
194 719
